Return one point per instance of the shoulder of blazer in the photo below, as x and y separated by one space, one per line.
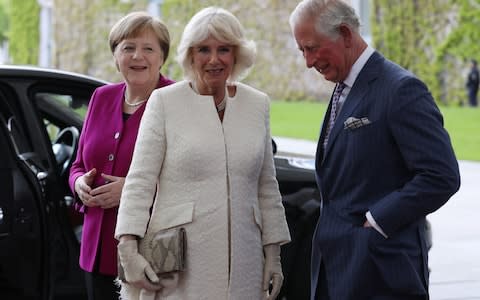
110 89
385 70
106 97
174 88
244 88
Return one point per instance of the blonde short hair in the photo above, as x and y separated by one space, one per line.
224 26
136 23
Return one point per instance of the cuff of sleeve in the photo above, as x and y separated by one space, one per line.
374 224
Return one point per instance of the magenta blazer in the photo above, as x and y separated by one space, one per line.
106 143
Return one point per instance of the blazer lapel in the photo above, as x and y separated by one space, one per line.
358 92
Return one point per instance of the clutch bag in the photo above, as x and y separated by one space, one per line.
165 250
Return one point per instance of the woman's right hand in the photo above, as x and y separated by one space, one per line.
83 187
137 270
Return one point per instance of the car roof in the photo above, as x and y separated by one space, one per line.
46 73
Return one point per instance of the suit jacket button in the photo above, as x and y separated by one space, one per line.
110 157
117 135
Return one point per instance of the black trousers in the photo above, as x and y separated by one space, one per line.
101 287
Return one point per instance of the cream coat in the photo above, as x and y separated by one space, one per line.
216 179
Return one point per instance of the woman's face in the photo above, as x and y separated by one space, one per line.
213 62
140 58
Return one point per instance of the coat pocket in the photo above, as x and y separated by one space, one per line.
257 216
172 216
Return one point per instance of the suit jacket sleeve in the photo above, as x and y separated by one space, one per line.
424 145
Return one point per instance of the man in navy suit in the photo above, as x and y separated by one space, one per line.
384 162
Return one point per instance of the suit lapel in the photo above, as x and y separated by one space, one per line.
320 152
358 92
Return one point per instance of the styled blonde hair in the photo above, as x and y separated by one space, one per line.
222 25
136 23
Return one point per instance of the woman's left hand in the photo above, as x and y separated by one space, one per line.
272 271
108 195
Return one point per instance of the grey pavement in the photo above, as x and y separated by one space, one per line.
455 254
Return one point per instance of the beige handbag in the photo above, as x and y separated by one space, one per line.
165 250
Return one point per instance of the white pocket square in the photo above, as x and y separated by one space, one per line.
354 123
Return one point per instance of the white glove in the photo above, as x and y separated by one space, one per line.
169 282
272 271
138 271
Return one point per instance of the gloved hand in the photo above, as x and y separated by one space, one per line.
138 271
272 271
169 282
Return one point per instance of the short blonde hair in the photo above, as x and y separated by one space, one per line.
222 25
136 23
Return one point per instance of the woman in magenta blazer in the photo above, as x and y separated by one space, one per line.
140 46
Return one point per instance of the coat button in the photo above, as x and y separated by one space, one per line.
117 135
110 157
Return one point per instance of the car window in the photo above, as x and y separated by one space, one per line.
11 112
59 109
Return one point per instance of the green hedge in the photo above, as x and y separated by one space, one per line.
434 39
24 32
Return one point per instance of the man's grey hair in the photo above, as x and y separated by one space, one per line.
327 16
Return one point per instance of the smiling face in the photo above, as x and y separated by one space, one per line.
213 62
326 55
139 59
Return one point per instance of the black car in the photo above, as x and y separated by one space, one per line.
41 115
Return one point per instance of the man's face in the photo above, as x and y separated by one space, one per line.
326 55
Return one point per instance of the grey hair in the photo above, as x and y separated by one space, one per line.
222 25
327 15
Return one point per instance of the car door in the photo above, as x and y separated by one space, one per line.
23 217
39 229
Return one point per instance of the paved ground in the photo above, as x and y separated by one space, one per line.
455 255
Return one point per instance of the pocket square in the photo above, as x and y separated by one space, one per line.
354 123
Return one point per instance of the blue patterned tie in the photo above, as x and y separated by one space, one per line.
333 112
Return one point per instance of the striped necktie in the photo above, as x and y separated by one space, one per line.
333 111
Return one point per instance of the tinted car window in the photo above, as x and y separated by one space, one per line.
54 105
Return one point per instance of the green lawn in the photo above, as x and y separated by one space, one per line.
303 120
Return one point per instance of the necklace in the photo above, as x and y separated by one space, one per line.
133 104
220 106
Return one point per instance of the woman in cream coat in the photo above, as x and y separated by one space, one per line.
203 159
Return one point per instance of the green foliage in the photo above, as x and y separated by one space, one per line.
80 30
24 34
432 38
3 21
279 69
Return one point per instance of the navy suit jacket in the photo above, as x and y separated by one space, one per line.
400 167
